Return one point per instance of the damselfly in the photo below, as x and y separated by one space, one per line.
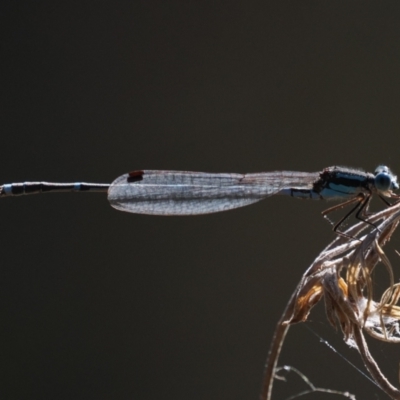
191 193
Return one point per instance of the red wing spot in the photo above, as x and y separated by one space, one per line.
135 176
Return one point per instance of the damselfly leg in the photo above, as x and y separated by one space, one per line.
361 210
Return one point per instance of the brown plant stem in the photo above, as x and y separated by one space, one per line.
372 366
275 349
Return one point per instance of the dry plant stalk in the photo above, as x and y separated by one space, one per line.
341 275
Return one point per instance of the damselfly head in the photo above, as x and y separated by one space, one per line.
384 179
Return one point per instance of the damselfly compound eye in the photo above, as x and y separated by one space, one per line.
383 181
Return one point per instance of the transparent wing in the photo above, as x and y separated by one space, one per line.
190 193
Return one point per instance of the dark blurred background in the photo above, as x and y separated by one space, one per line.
99 304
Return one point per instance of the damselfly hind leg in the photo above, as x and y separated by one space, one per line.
361 210
357 200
